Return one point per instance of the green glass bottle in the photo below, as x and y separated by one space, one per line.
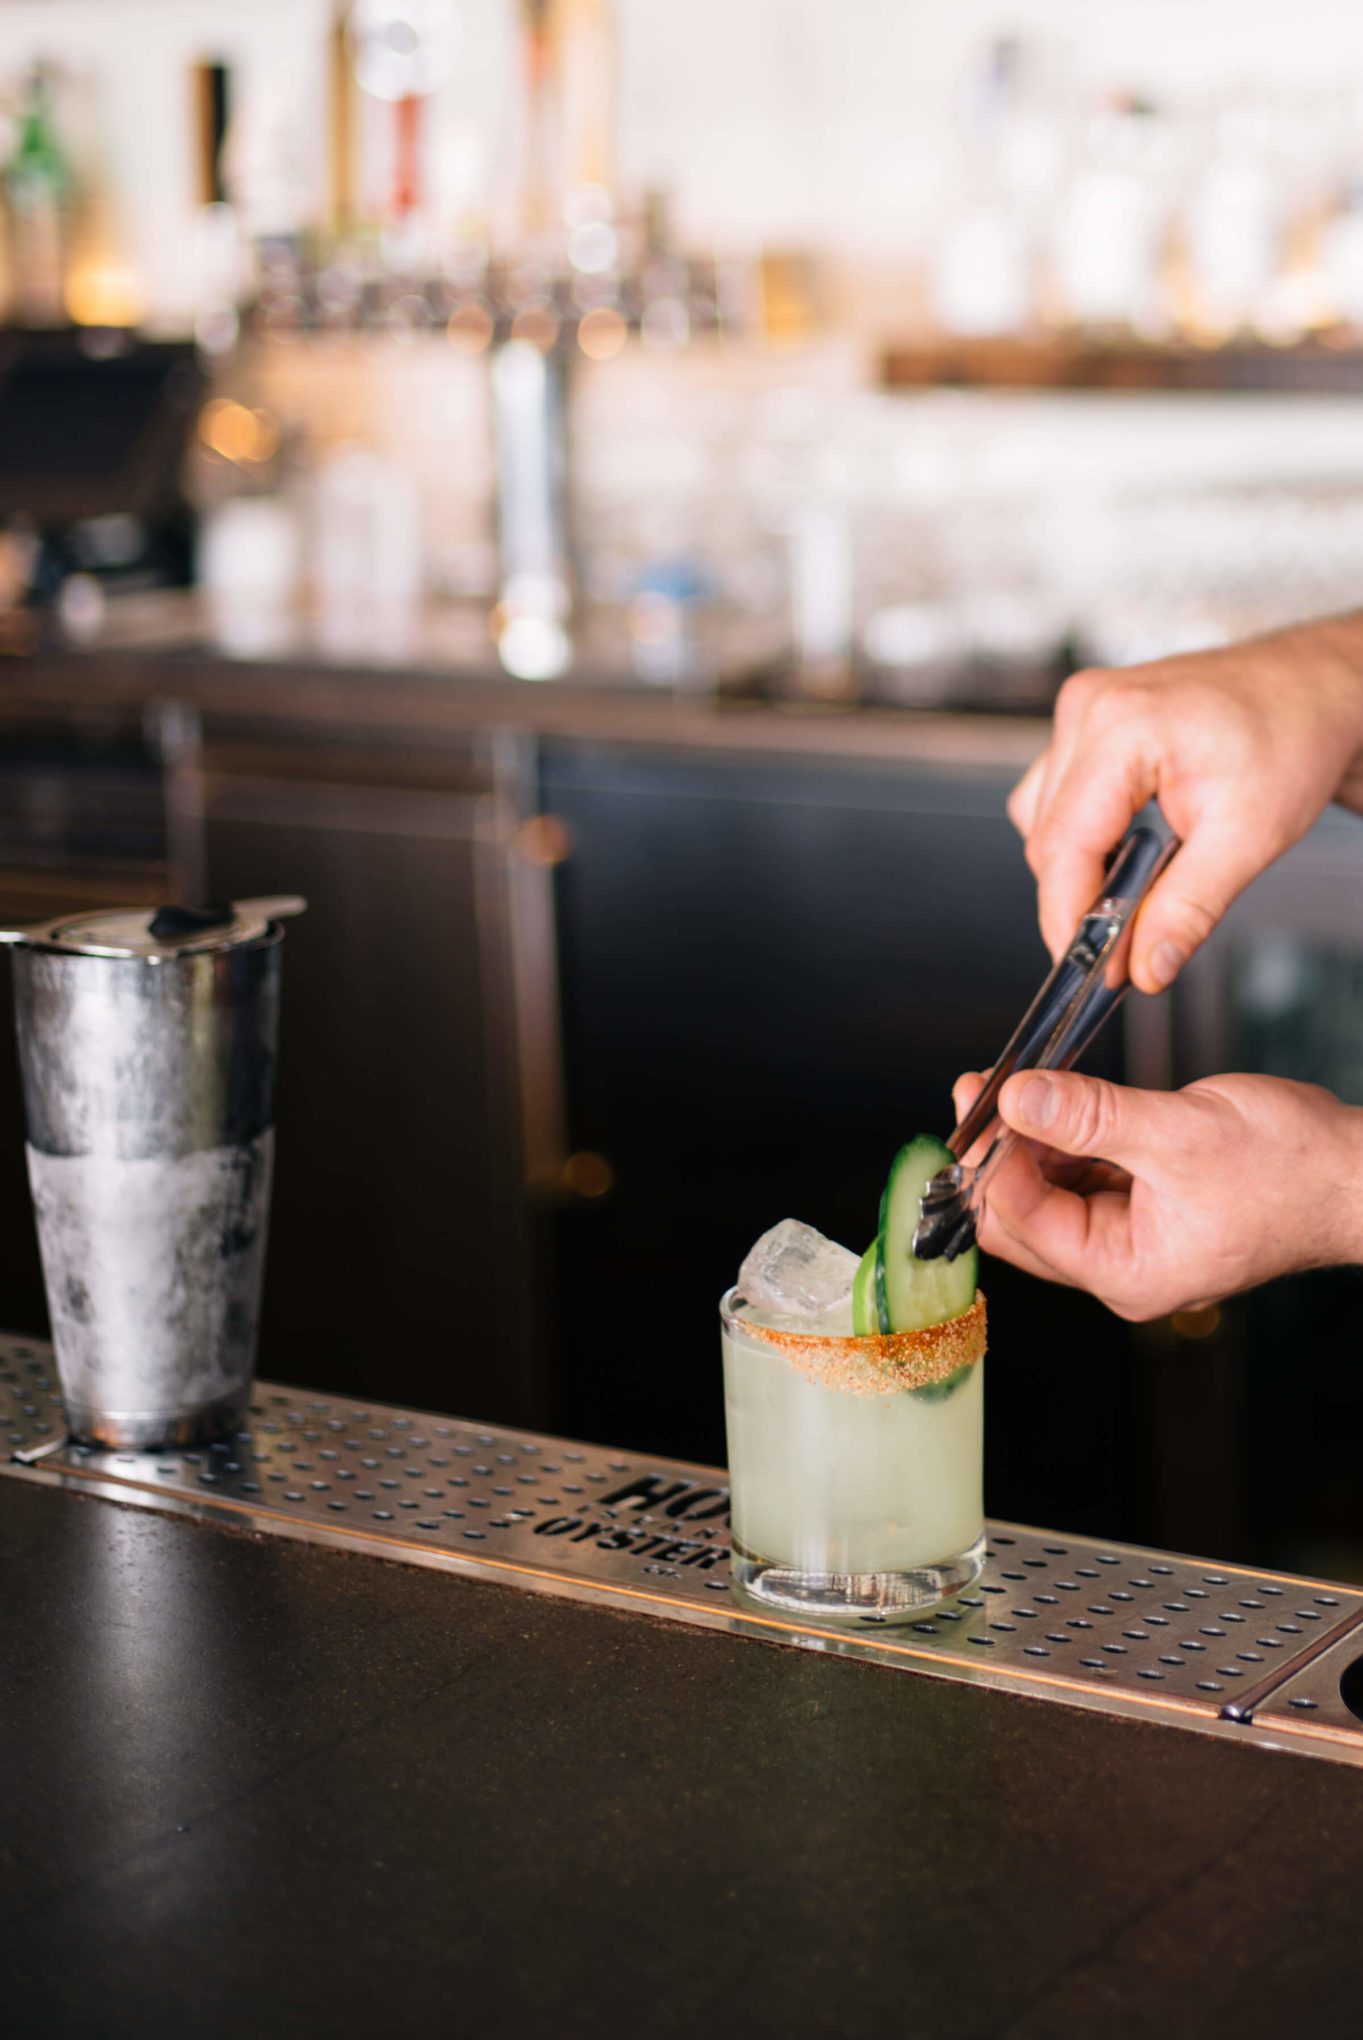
37 192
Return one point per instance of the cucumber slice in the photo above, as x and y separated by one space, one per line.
911 1293
940 1390
865 1319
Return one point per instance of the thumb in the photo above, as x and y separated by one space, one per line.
1084 1115
1186 903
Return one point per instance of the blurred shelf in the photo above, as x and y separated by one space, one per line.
1021 364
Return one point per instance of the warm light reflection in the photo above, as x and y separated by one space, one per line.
537 326
602 333
470 328
1197 1324
544 841
588 1175
235 432
103 294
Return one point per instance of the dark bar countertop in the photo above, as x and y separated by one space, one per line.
252 1786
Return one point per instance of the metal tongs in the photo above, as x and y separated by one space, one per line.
1089 982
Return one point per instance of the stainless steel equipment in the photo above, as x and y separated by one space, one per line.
1246 1654
529 403
147 1048
1089 982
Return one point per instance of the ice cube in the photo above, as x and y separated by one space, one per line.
794 1273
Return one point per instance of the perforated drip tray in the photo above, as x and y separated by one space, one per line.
1244 1654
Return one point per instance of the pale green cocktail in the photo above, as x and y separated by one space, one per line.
857 1477
854 1405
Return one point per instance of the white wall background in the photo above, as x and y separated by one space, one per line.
771 121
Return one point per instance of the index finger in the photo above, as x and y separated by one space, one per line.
1025 798
1087 814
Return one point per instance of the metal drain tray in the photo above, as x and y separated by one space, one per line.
1247 1654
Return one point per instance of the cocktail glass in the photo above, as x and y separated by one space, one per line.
856 1465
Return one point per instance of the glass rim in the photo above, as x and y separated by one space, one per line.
919 1359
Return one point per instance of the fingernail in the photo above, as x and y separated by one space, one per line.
1037 1102
1166 961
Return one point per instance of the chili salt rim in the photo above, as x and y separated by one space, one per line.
879 1362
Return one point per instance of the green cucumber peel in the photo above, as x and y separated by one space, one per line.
865 1321
911 1294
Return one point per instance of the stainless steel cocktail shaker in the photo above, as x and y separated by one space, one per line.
147 1044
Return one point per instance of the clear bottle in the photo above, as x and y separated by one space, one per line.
38 190
982 273
1233 222
1106 235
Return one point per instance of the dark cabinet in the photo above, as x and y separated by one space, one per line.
770 975
397 1256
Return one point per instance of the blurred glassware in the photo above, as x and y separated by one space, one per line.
403 49
822 590
1106 228
982 272
1341 254
221 276
368 563
81 607
264 163
917 653
663 620
1233 219
250 559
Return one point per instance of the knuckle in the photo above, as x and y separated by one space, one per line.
1120 703
1091 1119
1081 687
1195 918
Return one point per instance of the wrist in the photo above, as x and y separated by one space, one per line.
1338 644
1348 1231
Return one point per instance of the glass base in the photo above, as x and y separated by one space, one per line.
855 1597
158 1430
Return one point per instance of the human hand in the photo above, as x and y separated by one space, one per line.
1157 1201
1243 749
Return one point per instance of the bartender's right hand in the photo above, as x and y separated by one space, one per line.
1243 748
1159 1200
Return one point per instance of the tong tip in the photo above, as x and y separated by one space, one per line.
946 1220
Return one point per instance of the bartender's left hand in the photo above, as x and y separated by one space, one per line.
1158 1201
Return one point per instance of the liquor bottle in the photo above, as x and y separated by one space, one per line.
1109 221
981 280
1233 221
38 193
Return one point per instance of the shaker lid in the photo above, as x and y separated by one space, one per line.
157 934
